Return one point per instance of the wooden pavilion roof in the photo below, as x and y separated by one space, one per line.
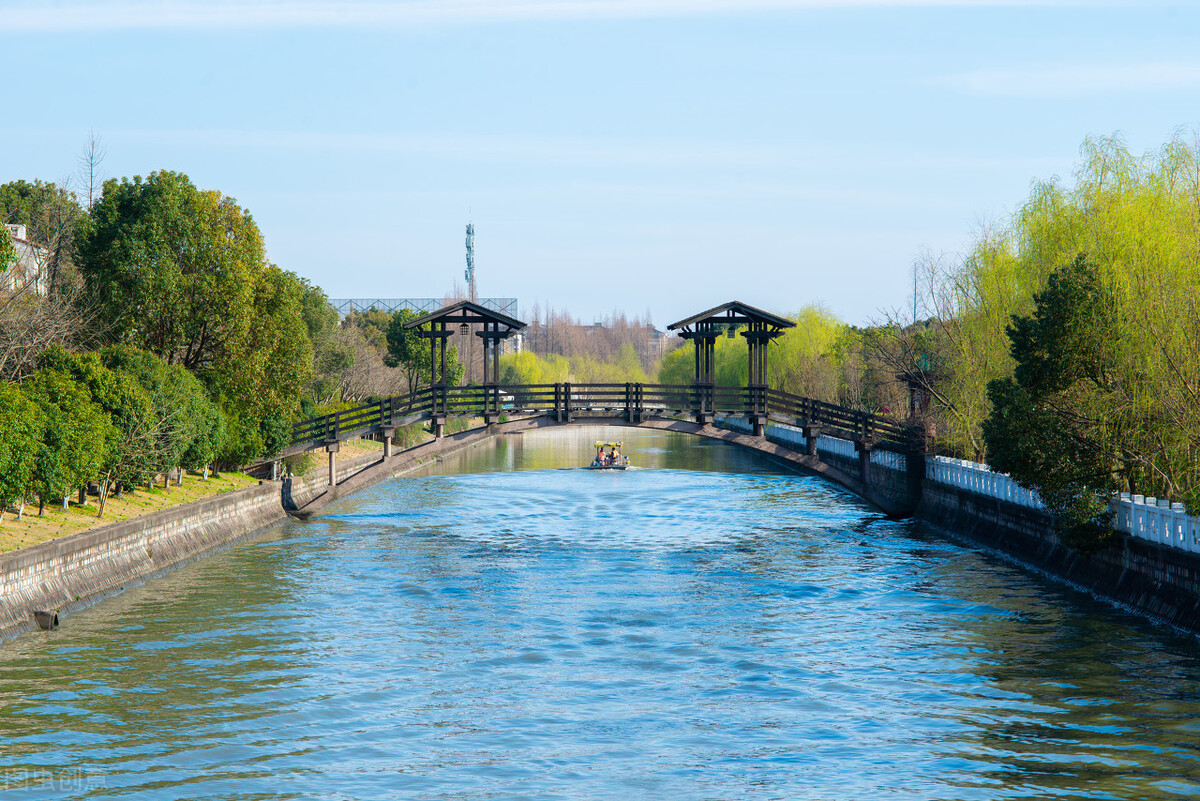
466 312
734 313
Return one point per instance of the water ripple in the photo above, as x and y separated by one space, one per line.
703 628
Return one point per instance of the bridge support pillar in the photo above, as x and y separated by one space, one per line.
332 448
438 423
864 448
811 435
388 432
759 424
920 446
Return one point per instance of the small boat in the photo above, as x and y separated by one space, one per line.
612 460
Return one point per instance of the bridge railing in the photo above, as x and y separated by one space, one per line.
857 424
567 401
348 422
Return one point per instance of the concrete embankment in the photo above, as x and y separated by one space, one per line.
75 571
70 573
1147 577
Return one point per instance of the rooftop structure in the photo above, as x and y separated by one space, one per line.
505 306
29 271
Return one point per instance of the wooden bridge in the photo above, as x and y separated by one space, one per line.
650 405
603 403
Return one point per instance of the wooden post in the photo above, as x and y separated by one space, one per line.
914 462
811 434
864 448
332 448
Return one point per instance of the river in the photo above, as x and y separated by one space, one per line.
708 625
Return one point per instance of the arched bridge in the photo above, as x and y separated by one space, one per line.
690 409
693 408
629 403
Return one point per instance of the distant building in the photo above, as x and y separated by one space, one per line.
514 344
657 345
29 270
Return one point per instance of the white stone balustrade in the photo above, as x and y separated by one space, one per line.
1146 518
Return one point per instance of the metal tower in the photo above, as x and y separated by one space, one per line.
470 272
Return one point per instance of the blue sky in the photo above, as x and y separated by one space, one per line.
661 155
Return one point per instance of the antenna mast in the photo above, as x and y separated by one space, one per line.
472 295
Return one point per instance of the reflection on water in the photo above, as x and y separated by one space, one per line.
708 626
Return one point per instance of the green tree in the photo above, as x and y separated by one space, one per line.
133 438
21 426
1057 425
374 324
8 253
1138 218
187 425
332 355
731 357
74 437
406 350
181 273
271 363
172 266
210 434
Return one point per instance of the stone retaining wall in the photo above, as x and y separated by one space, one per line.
1149 577
75 571
298 491
1147 571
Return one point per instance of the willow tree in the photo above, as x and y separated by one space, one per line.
1138 220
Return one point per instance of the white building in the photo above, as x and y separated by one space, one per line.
30 270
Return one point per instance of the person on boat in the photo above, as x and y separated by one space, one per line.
612 455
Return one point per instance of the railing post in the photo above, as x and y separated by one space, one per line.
811 434
914 462
628 402
702 403
566 402
558 403
864 448
757 412
491 403
439 409
332 448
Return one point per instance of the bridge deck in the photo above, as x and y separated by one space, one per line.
633 403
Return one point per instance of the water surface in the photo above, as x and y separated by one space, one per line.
507 626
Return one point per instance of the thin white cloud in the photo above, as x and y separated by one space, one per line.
100 15
1074 81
